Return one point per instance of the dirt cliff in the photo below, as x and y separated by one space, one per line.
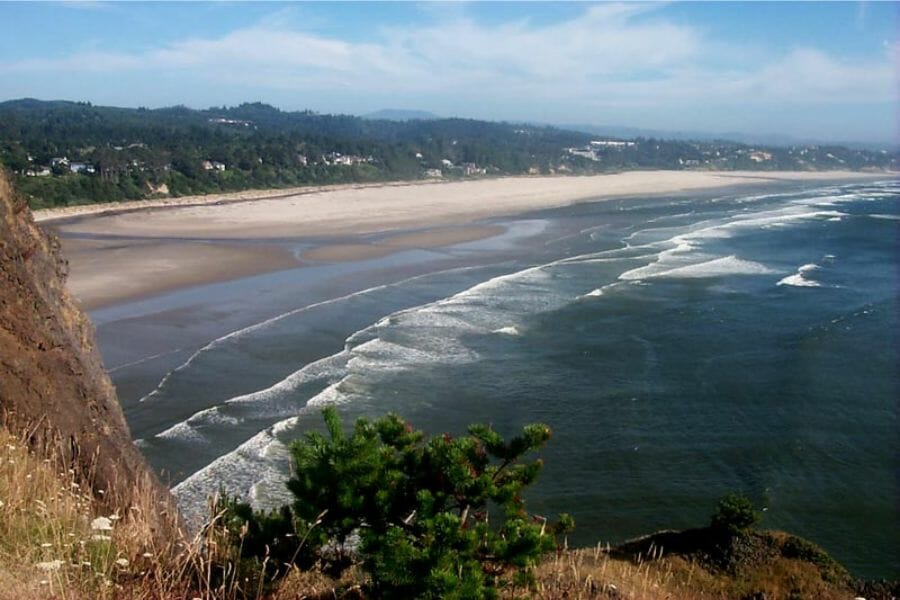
53 384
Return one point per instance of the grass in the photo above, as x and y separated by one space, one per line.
56 543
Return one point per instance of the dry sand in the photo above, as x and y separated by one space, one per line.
144 259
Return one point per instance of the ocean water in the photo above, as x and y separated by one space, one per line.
679 348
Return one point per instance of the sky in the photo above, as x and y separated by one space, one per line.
826 71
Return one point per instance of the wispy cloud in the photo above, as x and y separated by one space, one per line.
611 54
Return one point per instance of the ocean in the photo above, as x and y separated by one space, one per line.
679 347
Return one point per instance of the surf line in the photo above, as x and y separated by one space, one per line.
265 323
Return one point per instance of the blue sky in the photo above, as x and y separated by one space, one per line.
813 70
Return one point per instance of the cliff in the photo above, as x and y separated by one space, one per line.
53 385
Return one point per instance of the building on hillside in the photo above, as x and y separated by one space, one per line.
434 173
759 156
80 167
212 165
471 169
611 144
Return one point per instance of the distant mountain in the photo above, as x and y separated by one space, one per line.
400 114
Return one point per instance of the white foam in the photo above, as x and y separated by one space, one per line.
511 330
237 472
717 267
800 278
273 320
262 460
262 401
886 217
143 360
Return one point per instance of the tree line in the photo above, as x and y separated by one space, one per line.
63 153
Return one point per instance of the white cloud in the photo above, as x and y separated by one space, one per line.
611 55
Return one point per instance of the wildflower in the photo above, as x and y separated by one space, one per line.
101 524
122 562
51 565
100 538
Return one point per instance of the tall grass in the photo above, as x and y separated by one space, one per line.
57 543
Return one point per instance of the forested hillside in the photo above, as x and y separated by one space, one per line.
62 153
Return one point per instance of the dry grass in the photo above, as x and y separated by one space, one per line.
589 574
56 544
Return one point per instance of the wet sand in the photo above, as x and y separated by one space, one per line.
105 272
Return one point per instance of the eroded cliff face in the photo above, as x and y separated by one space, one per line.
52 380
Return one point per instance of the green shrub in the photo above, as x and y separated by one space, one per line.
413 512
734 514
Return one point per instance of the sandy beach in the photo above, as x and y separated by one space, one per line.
129 250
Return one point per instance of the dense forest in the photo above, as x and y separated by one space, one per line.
63 153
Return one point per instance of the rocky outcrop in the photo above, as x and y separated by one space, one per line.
53 386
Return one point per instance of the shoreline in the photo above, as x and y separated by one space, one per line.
136 250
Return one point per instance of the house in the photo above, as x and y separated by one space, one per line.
80 167
433 173
212 165
471 169
336 158
61 161
611 144
759 156
224 121
447 163
583 153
